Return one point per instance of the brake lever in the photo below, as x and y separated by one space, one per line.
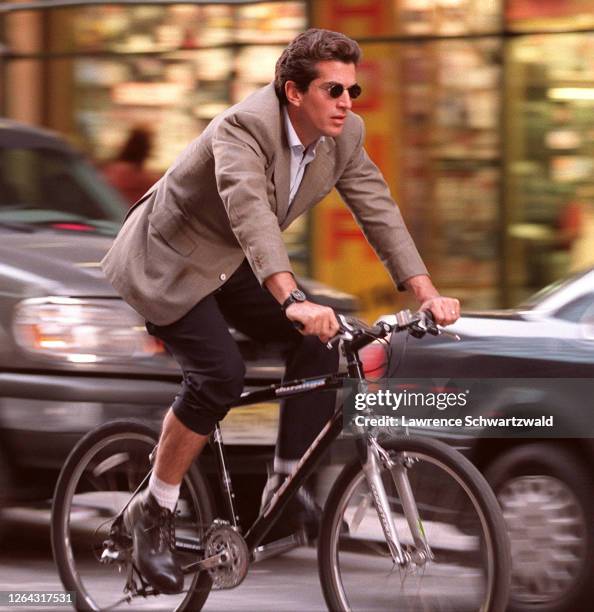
345 332
427 325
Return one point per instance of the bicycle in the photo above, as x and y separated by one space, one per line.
410 524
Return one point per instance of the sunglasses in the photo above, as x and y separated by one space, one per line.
335 90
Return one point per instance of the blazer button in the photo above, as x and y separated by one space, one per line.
223 276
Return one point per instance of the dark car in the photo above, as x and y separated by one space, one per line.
72 353
536 359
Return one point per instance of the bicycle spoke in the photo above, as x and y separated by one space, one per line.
359 570
99 486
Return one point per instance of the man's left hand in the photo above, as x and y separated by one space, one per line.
445 310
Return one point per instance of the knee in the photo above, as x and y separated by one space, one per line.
218 386
231 375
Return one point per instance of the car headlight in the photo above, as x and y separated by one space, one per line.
82 330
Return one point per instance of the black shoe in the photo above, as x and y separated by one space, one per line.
153 533
302 512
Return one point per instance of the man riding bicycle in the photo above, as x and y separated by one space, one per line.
202 250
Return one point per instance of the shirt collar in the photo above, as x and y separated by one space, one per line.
292 137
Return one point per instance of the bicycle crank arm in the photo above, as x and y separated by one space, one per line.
207 563
279 547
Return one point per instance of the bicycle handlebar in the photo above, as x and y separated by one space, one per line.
358 334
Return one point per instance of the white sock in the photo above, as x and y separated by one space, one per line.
284 466
165 494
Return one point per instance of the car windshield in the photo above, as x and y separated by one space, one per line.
544 294
57 190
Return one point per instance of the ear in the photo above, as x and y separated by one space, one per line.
294 96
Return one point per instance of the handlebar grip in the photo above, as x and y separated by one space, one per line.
298 325
430 324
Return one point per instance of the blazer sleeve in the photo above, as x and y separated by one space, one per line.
240 168
366 193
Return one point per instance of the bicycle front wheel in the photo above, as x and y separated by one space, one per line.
96 482
460 519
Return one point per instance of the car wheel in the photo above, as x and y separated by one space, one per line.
548 504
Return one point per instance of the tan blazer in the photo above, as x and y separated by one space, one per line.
227 198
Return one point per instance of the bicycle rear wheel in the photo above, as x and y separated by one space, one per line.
104 468
462 523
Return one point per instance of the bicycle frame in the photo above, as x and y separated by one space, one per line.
307 463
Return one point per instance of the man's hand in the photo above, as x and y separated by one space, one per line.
316 320
445 310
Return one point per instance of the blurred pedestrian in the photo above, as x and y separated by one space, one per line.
127 172
575 230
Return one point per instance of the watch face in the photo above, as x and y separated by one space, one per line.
298 295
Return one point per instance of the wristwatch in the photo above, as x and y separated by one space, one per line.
295 296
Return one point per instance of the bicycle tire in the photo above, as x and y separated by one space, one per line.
344 543
116 453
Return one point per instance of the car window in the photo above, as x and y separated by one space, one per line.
587 317
46 186
546 292
578 309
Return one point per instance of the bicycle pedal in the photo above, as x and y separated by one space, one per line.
109 555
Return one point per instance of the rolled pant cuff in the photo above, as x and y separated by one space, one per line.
199 421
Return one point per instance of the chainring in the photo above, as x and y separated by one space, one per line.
230 572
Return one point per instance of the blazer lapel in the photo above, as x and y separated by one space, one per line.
316 183
282 169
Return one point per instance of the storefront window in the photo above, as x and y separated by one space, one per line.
368 18
451 167
549 15
168 68
551 158
432 112
172 67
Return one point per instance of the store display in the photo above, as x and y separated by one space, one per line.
173 67
551 153
450 170
447 17
182 61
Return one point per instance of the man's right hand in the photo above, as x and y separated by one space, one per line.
316 320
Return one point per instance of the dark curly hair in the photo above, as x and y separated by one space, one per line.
298 61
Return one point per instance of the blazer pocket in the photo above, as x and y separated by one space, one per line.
173 227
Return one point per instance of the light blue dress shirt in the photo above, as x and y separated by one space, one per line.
300 156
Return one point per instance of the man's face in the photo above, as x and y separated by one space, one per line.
317 112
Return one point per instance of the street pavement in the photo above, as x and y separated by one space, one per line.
288 583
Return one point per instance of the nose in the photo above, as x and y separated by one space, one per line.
344 101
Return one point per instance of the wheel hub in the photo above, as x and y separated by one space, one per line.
547 532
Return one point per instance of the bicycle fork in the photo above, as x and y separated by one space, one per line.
375 458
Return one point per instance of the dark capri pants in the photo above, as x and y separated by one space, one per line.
213 368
